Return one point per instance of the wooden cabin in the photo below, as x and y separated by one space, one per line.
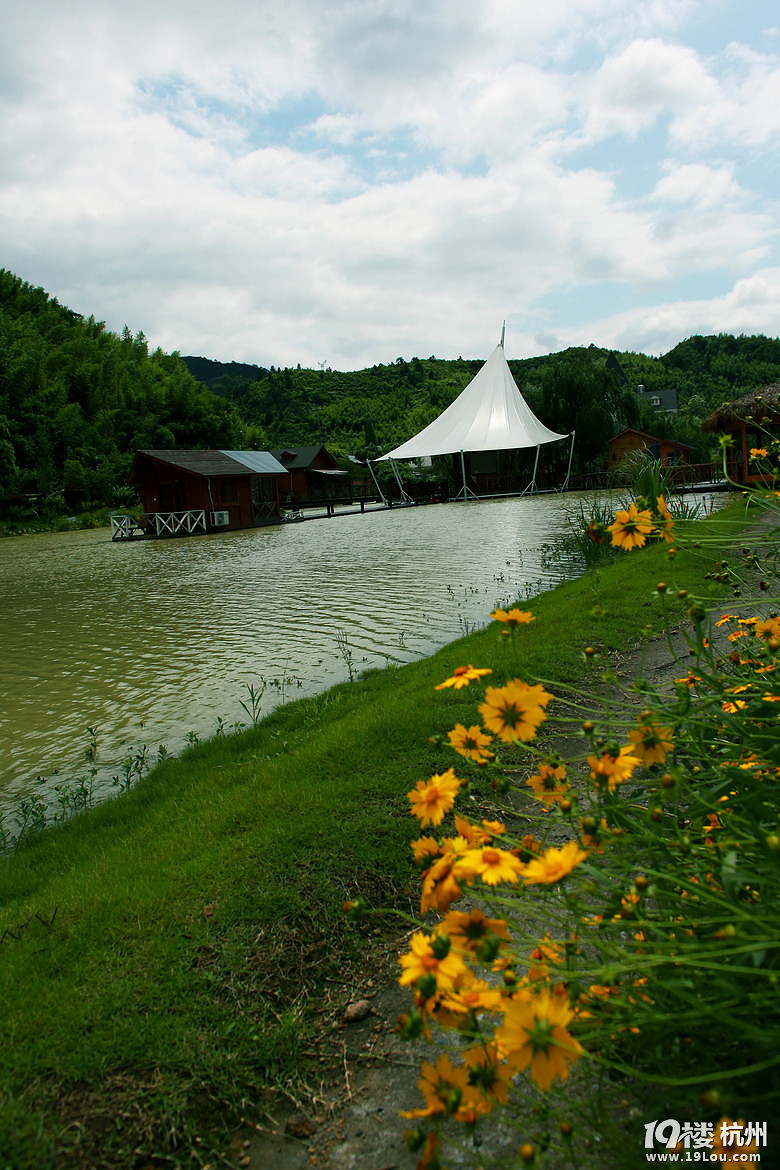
669 452
186 492
752 421
312 476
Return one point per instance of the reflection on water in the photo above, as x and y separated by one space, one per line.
154 640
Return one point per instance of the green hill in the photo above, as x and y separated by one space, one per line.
76 401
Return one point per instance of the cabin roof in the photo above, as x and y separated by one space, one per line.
208 463
644 435
300 458
753 407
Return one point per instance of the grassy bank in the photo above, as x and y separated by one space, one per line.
167 955
30 523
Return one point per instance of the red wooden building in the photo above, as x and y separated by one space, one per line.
312 476
185 492
669 452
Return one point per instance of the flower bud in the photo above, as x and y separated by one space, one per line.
355 909
488 947
415 1139
426 985
409 1026
440 946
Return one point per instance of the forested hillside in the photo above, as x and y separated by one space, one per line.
367 412
76 400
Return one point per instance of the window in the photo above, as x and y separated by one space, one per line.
227 491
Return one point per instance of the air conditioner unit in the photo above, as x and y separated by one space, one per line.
219 519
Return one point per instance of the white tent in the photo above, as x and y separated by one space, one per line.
489 415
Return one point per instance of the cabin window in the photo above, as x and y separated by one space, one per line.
228 493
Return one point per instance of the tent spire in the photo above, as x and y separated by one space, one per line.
503 332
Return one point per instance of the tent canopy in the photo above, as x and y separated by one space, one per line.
489 415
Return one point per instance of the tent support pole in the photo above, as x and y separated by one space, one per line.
465 491
565 484
532 488
405 497
376 483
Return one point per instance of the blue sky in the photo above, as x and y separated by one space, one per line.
352 181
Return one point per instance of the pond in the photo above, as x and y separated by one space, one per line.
157 642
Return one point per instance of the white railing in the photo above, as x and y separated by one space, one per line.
178 523
122 527
158 524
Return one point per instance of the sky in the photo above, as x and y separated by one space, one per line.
340 183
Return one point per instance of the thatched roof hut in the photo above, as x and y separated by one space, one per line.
759 406
752 421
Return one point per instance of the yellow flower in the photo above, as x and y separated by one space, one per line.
513 617
631 528
758 452
477 835
468 931
553 865
431 799
470 742
495 865
425 848
767 629
462 676
430 954
541 956
534 1032
651 743
615 769
549 783
514 711
478 996
597 532
447 1092
488 1073
442 882
666 525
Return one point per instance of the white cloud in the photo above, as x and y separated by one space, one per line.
647 79
746 308
699 184
362 180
